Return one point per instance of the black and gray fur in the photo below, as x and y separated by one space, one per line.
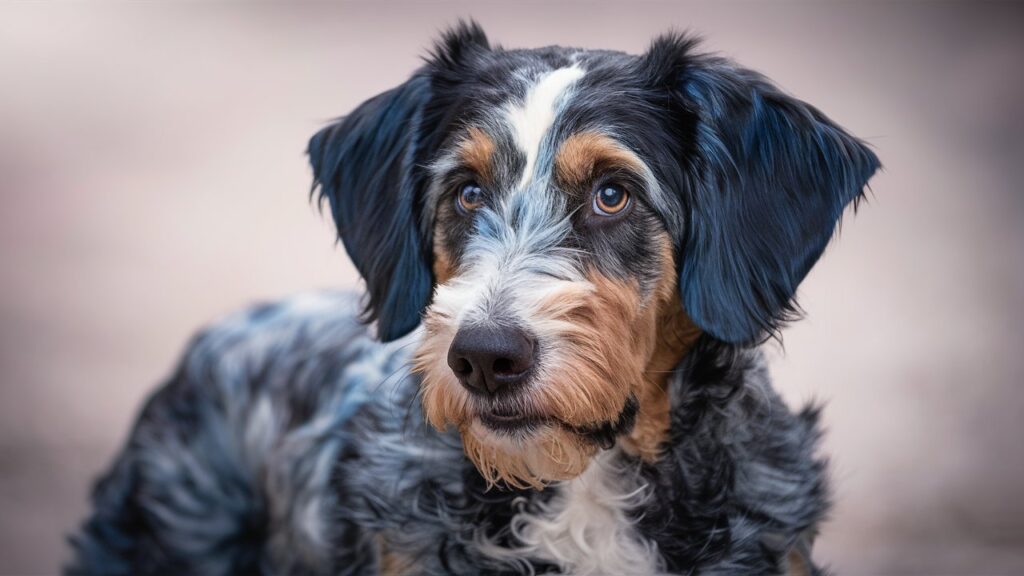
291 441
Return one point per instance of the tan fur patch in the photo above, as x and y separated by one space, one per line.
391 562
676 334
443 402
444 269
797 564
584 155
476 151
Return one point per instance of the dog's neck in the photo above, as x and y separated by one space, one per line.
676 335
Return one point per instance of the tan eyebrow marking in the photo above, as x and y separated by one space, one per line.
476 151
582 156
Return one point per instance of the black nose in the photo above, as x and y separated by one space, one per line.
487 359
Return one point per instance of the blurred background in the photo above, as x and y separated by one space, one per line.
152 178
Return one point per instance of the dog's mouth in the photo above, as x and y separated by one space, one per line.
519 422
510 421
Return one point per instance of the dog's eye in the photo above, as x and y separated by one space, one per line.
470 197
610 199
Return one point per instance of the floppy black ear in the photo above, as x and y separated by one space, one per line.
363 166
369 166
770 177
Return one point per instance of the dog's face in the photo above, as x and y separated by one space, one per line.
565 223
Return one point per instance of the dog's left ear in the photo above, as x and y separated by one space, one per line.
768 177
363 165
370 166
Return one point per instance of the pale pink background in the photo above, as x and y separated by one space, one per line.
152 178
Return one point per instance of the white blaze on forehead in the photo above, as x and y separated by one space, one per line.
531 119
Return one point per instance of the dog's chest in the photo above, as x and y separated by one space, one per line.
587 527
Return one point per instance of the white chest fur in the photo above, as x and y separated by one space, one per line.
586 527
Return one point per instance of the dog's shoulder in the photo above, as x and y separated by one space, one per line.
741 468
231 463
291 329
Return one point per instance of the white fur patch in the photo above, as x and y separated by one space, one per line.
531 119
586 528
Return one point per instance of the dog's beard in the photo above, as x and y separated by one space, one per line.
548 454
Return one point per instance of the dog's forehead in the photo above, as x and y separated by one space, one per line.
531 118
523 105
546 94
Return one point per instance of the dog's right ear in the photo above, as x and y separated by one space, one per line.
770 178
369 165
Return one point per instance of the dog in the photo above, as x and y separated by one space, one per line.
571 259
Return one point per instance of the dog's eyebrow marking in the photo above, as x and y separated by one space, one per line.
476 151
532 118
582 157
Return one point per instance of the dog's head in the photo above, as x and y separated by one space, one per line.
565 222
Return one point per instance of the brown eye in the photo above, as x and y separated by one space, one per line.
471 196
610 199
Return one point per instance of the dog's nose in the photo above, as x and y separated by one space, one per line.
487 359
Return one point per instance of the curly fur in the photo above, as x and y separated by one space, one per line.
290 442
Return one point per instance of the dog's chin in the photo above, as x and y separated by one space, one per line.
532 450
528 452
526 447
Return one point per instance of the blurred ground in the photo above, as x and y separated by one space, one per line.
152 178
